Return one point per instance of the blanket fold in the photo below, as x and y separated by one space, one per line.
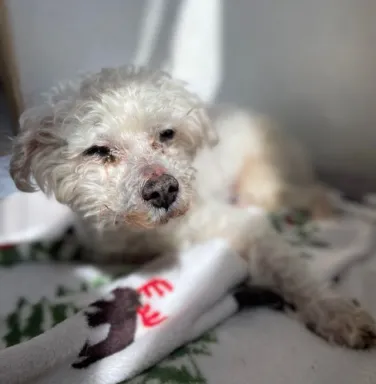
139 320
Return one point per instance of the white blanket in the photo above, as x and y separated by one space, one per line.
178 303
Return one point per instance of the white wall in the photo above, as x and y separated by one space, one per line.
55 39
312 63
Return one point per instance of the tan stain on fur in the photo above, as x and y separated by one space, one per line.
322 208
257 184
139 220
180 212
155 145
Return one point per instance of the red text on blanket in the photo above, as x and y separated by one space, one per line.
159 287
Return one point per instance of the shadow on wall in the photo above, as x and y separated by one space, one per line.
312 65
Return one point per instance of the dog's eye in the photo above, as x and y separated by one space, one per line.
166 135
97 150
100 151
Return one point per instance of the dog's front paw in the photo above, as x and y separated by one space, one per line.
342 322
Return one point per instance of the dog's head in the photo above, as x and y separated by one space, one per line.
118 148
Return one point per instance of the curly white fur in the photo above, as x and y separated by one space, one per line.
123 111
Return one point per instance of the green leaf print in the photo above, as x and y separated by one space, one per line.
35 321
208 337
20 329
99 281
298 227
84 287
14 334
60 312
62 291
172 375
179 353
9 256
181 367
13 324
276 222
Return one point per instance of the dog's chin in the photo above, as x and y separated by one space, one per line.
144 220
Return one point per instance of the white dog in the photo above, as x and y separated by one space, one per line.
147 169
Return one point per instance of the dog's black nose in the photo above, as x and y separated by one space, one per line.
161 191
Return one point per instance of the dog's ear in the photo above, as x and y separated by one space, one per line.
32 149
209 132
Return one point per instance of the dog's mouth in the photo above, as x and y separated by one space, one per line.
154 218
174 213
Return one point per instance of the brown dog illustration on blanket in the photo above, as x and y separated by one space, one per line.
121 314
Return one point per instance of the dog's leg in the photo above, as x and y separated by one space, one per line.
274 264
